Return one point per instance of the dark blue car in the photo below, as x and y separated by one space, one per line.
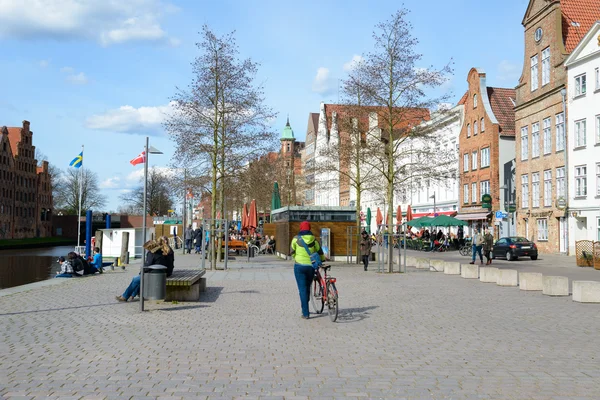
514 247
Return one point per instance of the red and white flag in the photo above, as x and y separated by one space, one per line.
139 159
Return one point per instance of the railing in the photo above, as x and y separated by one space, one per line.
587 253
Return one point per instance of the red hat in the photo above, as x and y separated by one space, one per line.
305 226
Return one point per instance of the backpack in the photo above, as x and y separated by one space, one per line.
315 258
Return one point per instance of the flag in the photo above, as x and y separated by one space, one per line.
77 161
139 159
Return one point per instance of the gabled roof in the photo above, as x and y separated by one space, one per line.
503 107
578 18
589 36
463 99
14 137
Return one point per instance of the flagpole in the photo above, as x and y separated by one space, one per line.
146 157
80 196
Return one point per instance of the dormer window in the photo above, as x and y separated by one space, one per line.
475 100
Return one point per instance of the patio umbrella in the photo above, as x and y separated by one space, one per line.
275 198
252 216
245 217
399 216
379 217
445 221
368 221
409 216
420 222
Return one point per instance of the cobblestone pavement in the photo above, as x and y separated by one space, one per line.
416 335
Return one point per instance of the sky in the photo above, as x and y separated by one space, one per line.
101 73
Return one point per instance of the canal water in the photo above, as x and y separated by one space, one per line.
20 267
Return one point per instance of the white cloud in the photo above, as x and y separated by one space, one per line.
350 65
67 70
323 81
44 63
128 119
105 21
110 183
72 77
508 72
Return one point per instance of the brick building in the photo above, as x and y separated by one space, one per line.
291 163
486 144
553 28
25 188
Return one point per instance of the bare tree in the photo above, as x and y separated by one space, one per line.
221 121
67 191
158 194
401 92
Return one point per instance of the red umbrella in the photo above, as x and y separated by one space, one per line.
379 217
252 216
245 217
399 216
409 216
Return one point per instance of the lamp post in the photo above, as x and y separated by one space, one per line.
147 151
507 203
434 207
563 93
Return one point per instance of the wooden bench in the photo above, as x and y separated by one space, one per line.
185 285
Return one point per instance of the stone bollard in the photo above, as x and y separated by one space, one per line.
422 263
469 271
555 285
507 277
586 291
488 274
451 268
410 261
437 265
530 281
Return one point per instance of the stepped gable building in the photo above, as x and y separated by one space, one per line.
308 159
553 28
291 161
486 145
25 188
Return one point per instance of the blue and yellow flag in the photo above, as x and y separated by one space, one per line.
77 161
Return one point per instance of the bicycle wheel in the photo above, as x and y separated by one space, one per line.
332 301
464 251
316 297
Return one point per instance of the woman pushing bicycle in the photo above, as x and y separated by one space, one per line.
304 271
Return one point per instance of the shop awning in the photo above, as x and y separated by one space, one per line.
419 215
472 216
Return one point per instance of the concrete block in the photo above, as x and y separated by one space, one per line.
555 285
469 271
422 263
410 261
488 274
186 293
437 265
451 268
586 291
507 277
530 281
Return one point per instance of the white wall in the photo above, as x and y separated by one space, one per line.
112 239
327 186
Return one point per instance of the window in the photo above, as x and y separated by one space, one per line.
474 161
580 180
534 73
598 179
474 192
547 136
468 130
475 100
546 66
580 133
597 78
547 188
560 182
560 132
525 191
535 140
580 85
485 187
524 144
482 125
535 189
485 157
542 229
475 131
466 162
597 129
465 194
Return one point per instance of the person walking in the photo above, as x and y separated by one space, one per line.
303 268
476 246
188 236
488 244
365 248
198 240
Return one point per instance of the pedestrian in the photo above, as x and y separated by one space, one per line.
188 236
198 240
476 246
303 268
488 244
66 269
365 248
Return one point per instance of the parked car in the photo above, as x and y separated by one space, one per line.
514 247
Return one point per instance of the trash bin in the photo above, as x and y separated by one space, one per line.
155 282
251 251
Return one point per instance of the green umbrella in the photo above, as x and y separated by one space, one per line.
421 222
444 220
368 221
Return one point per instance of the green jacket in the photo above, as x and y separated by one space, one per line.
299 253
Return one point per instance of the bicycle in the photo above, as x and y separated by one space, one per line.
324 291
465 249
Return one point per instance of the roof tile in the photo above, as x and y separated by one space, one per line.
578 18
503 106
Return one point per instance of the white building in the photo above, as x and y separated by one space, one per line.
326 184
583 138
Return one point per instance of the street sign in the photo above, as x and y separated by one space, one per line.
499 215
512 207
